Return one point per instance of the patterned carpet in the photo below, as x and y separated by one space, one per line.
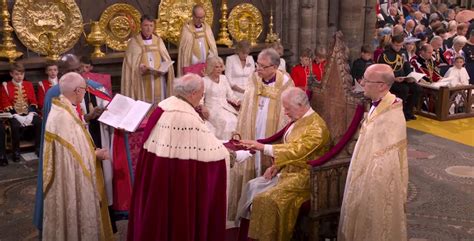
440 205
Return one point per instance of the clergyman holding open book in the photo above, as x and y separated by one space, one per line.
145 54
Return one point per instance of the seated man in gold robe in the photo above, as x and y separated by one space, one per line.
145 54
261 115
276 197
196 44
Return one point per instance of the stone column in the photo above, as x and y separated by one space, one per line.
322 23
306 26
293 30
370 21
351 23
333 21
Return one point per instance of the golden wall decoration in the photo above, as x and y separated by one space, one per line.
174 13
119 22
48 27
245 22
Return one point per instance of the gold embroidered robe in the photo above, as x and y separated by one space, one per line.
245 171
75 203
189 45
376 189
138 86
274 212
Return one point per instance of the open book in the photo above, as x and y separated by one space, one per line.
164 66
416 76
125 113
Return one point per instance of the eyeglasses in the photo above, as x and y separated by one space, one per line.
81 88
261 66
368 81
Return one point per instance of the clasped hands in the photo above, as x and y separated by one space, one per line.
25 120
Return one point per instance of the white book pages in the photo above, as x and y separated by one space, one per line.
164 66
135 116
117 109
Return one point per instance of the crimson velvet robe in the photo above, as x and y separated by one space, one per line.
180 190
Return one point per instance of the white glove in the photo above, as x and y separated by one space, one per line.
241 156
29 119
20 119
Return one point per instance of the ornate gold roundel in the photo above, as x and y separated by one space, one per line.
242 18
174 13
119 22
46 26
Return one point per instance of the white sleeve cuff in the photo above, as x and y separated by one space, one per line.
268 150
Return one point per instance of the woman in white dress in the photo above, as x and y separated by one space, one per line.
217 98
239 67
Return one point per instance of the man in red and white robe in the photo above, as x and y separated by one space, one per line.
181 177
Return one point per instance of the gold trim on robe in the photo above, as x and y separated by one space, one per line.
376 189
74 192
189 46
243 172
138 86
274 212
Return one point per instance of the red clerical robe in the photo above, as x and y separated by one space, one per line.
180 185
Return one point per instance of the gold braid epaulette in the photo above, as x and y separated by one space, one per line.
396 64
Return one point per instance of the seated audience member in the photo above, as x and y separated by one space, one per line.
456 75
461 30
452 27
438 51
217 95
397 30
360 64
403 88
301 71
276 197
391 18
469 48
239 67
320 55
424 63
456 50
409 27
410 48
383 43
18 98
43 86
280 50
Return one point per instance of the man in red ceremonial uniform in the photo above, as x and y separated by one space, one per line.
180 185
424 63
44 85
302 71
18 98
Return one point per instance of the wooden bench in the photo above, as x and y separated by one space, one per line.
435 103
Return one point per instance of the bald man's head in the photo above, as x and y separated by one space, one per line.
378 78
